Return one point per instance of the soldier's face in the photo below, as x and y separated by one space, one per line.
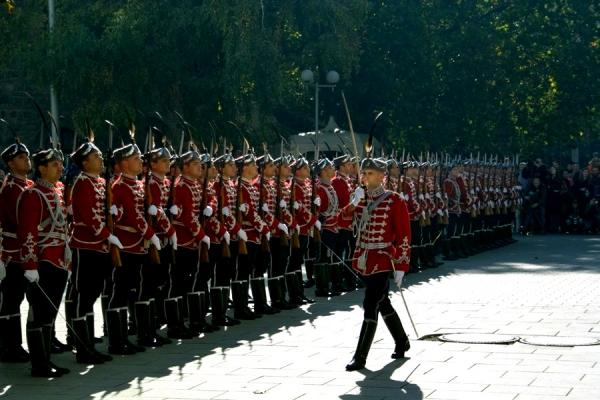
229 170
52 171
395 172
284 171
328 172
93 164
303 172
372 178
20 165
212 172
269 170
132 166
161 166
193 169
250 170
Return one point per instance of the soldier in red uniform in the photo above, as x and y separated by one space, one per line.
383 246
42 233
306 221
280 237
12 285
226 192
328 269
90 240
410 194
255 227
190 234
271 214
135 234
343 186
453 192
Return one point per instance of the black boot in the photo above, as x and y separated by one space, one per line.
155 323
83 345
367 333
291 282
144 324
414 265
113 327
38 352
309 265
239 293
176 328
430 251
104 299
89 319
276 291
11 350
259 293
48 331
392 321
424 258
336 275
225 299
305 300
218 308
321 280
124 331
196 302
69 315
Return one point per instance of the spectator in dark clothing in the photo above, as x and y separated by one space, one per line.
592 211
534 206
554 205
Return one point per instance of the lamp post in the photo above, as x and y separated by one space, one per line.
53 98
308 77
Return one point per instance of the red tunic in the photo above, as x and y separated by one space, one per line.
12 187
343 188
452 190
42 225
213 226
131 226
160 189
384 235
329 210
305 219
88 197
465 200
188 198
225 188
270 203
285 214
252 223
409 190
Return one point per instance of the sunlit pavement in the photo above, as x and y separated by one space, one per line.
544 285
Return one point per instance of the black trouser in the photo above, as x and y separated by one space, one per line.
87 279
453 228
128 281
223 268
263 262
376 298
331 248
246 263
279 258
184 273
299 255
346 243
12 290
204 275
44 297
415 233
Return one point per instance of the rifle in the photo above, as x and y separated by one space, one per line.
152 250
115 254
204 256
295 237
264 243
313 195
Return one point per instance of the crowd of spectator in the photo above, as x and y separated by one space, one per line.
560 199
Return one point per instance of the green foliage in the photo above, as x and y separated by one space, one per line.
450 75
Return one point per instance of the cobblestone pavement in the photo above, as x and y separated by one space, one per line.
546 285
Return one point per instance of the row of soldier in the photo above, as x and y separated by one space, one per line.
163 238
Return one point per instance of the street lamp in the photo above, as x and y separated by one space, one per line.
308 77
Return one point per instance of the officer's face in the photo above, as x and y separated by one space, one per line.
93 164
161 166
372 178
52 171
20 165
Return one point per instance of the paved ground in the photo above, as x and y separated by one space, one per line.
540 286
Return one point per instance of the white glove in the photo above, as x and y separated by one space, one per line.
296 205
70 209
226 211
155 241
173 241
243 207
174 210
268 236
114 210
32 275
69 273
440 212
398 275
357 196
152 210
438 195
317 201
318 224
112 239
282 204
206 241
265 207
227 237
242 235
283 228
420 197
208 211
2 270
